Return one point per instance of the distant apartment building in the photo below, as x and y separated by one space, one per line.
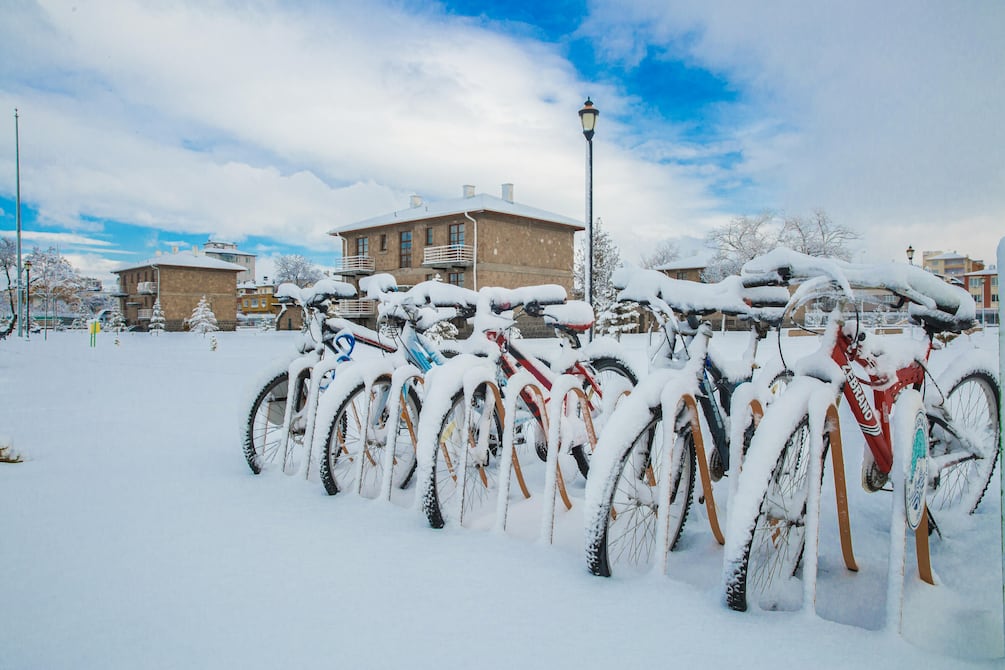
179 280
473 241
227 251
950 265
983 287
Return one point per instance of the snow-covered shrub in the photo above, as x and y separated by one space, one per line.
202 320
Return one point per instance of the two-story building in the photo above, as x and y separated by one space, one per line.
472 241
179 280
983 288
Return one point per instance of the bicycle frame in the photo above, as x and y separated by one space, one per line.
874 418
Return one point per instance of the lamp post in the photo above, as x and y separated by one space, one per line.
27 299
588 117
910 254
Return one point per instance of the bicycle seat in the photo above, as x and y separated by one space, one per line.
575 316
325 290
505 299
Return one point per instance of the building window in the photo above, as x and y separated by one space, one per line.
383 241
456 233
362 246
254 302
245 302
429 237
406 250
456 278
682 274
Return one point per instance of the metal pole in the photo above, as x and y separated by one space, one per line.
1001 436
588 263
27 306
17 215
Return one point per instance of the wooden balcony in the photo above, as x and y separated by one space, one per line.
449 256
144 314
356 265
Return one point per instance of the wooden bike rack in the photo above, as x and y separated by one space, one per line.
461 478
399 379
511 460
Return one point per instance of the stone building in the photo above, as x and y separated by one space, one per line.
178 280
473 241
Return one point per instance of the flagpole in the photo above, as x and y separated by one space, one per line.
17 215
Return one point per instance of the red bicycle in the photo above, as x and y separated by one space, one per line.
947 427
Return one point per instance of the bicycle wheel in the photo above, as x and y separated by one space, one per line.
476 446
614 377
357 438
775 541
972 407
263 431
625 529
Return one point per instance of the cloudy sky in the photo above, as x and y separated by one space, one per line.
147 124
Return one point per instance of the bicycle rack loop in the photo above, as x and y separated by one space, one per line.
521 383
554 481
398 407
462 466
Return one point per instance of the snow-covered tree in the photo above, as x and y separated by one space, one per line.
618 318
116 322
606 259
202 320
157 320
8 261
56 288
296 269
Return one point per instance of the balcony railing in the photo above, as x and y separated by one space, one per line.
144 314
147 287
356 265
449 256
355 309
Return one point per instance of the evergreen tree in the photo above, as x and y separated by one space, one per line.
117 322
157 320
618 318
606 258
202 320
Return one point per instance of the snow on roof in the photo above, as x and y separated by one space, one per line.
700 260
481 202
184 259
948 256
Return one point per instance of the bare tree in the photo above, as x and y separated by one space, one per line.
54 283
746 237
296 269
817 235
737 242
8 261
665 252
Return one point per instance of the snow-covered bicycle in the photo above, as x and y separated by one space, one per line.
944 431
367 419
462 424
642 477
277 418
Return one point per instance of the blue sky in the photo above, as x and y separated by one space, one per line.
146 125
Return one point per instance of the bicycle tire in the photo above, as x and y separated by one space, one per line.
481 476
607 370
774 543
263 428
346 441
973 405
624 531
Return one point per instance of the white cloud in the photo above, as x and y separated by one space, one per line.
279 122
887 115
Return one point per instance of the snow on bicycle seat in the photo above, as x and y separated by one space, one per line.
440 294
375 286
325 290
287 293
576 315
505 299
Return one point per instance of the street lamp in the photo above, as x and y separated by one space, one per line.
27 300
588 117
910 254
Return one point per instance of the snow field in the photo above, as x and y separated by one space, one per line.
134 535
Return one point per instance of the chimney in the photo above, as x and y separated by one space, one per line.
469 191
415 201
174 248
507 192
195 249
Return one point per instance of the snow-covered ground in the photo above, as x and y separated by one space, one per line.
134 535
